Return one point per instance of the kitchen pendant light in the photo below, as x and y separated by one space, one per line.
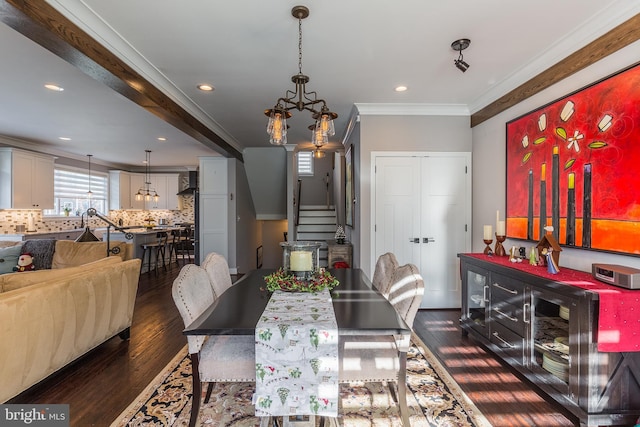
145 192
299 99
89 193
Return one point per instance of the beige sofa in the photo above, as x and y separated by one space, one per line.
48 318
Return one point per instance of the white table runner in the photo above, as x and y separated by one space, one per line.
297 356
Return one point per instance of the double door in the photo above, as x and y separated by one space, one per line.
423 215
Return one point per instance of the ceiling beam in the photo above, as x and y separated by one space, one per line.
621 36
43 24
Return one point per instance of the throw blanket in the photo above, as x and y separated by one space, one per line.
297 356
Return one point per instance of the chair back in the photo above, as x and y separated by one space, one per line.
192 294
383 274
218 270
406 292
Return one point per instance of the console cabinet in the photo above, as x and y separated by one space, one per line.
547 331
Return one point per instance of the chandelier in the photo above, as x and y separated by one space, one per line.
145 191
301 100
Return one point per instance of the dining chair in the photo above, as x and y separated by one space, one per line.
377 358
383 274
214 358
218 270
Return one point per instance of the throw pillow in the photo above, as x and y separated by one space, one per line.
9 258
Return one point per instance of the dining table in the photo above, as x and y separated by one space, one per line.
360 310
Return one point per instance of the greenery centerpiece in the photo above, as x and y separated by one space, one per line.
281 281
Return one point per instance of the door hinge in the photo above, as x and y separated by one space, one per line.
465 228
466 171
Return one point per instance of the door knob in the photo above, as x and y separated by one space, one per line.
414 240
428 239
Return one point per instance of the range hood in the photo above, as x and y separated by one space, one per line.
193 184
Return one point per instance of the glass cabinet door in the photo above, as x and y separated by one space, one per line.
476 307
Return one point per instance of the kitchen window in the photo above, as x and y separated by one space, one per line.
71 187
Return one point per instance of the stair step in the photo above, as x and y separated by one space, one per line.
317 207
317 220
321 228
330 214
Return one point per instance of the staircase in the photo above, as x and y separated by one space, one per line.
318 224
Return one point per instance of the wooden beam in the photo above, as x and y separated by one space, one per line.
40 22
621 36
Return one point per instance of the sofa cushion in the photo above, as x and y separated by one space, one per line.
7 243
71 254
10 282
9 258
41 250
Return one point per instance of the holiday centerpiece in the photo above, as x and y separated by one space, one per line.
300 271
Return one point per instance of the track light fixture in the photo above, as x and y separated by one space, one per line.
460 45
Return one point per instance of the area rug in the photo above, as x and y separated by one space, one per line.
434 399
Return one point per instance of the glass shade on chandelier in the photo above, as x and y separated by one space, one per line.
277 126
318 137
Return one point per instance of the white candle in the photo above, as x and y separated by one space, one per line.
300 261
500 228
488 232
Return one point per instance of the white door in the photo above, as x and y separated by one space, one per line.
422 212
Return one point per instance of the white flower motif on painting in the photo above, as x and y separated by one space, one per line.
573 141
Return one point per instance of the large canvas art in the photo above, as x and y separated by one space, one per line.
575 165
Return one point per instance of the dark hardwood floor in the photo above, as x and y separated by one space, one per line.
100 385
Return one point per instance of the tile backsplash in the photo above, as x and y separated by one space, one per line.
9 219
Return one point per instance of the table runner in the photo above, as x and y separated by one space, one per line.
297 356
619 308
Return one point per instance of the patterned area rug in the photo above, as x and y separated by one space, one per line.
434 399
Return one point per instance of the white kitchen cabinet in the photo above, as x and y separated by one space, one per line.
27 180
123 187
166 185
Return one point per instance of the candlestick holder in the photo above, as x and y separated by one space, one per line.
487 250
499 251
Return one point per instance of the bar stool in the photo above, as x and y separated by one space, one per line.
174 245
158 249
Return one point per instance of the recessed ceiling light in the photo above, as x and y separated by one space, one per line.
400 88
206 88
53 87
162 138
64 138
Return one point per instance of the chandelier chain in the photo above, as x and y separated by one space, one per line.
299 45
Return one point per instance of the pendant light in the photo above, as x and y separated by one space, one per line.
299 99
145 191
89 193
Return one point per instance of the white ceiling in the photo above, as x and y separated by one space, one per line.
355 52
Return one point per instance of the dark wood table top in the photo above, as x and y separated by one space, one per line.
359 308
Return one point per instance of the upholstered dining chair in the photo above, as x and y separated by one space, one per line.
377 358
383 274
218 270
214 358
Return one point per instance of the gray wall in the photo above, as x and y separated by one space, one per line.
397 133
489 160
248 229
314 191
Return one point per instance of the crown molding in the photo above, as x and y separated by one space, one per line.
373 109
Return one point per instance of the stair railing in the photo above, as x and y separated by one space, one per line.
296 202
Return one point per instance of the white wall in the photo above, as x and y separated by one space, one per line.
489 159
397 133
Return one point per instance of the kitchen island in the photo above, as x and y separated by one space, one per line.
142 236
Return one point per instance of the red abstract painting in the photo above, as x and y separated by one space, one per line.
575 165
